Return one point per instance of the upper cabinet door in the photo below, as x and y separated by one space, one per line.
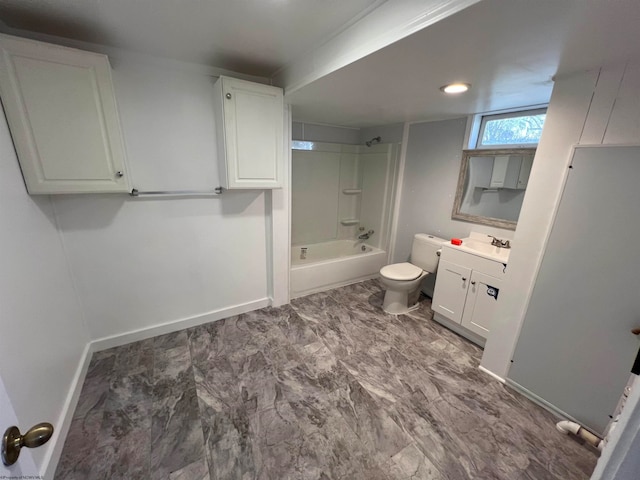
62 113
250 119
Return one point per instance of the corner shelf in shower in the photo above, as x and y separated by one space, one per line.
352 191
350 221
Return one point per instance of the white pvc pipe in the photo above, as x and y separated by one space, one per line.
566 427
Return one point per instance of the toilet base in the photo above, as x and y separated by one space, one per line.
398 303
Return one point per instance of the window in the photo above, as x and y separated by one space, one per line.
514 129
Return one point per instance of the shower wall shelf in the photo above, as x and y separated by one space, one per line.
350 221
352 191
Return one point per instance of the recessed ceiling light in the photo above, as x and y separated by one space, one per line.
456 88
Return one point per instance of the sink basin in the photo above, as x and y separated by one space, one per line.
485 249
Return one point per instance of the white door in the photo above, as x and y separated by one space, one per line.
576 349
24 467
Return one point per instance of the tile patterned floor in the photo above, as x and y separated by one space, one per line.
328 387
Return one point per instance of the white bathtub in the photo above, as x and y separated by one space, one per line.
332 264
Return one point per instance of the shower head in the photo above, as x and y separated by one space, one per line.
373 141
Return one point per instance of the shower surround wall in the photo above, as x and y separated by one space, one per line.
337 190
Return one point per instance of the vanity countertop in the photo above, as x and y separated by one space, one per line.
480 244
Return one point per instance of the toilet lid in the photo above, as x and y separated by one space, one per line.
401 271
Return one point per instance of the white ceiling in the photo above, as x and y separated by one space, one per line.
507 49
254 37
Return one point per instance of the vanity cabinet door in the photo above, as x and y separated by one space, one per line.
450 292
480 306
61 110
250 133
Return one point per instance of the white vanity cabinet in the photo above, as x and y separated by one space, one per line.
250 133
61 109
466 292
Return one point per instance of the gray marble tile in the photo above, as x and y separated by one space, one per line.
126 459
96 386
198 470
360 292
135 358
79 448
328 446
410 463
228 441
109 352
435 440
176 433
320 369
296 331
316 308
171 340
329 387
379 433
172 373
276 440
237 337
127 408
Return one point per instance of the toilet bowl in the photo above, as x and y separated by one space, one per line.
402 281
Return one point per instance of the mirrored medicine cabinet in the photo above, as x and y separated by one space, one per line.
491 186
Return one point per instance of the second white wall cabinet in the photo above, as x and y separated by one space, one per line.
250 133
62 113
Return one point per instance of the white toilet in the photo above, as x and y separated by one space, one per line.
402 281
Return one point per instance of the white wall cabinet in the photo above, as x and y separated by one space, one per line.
466 293
61 109
525 171
499 172
507 171
250 132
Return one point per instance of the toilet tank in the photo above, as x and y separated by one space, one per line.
424 251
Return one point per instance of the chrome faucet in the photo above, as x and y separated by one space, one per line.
496 242
366 235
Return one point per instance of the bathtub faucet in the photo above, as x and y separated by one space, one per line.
365 236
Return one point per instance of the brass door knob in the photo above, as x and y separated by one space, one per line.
13 440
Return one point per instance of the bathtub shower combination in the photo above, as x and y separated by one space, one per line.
341 213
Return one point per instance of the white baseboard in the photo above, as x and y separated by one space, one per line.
175 325
489 372
63 424
561 414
